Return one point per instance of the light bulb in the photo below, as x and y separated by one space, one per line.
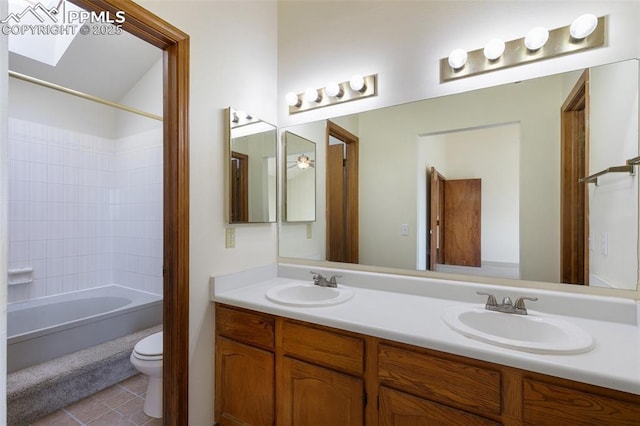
583 26
311 95
357 83
241 115
494 49
334 90
536 38
292 99
457 58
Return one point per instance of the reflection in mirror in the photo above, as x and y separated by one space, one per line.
300 179
252 169
515 141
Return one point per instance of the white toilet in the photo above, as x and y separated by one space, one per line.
147 359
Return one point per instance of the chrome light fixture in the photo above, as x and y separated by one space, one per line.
358 87
586 32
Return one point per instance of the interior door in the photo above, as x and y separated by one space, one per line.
239 187
336 226
462 214
436 218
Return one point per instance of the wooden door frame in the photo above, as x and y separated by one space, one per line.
175 44
574 210
436 218
352 198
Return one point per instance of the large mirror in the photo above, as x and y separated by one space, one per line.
523 151
252 186
299 179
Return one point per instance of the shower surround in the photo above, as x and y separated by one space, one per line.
84 211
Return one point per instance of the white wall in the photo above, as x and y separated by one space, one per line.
233 55
613 204
4 212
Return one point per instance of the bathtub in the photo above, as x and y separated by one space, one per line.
42 329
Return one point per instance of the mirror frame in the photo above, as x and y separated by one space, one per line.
553 286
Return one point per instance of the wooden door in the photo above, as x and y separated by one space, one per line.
342 195
462 226
245 385
336 220
239 187
436 219
401 409
313 395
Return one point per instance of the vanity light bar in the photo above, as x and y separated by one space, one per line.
332 95
560 42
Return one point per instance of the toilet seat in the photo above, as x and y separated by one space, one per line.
149 348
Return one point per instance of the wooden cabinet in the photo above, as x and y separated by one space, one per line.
402 409
244 368
277 371
552 404
312 395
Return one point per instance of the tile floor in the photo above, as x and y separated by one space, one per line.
118 405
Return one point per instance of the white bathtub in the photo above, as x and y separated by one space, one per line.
42 329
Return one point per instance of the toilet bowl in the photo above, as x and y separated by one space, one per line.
147 359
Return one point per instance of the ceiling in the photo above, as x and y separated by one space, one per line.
107 66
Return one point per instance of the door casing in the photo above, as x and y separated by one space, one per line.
175 45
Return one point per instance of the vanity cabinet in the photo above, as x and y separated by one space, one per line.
244 368
272 370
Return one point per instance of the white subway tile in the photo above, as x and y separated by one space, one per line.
38 191
37 251
18 170
55 155
18 230
55 192
37 152
18 190
54 267
37 172
37 230
54 248
19 150
54 285
37 210
55 174
55 230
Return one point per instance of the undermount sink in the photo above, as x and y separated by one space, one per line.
535 332
308 295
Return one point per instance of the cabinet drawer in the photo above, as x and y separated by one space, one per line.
399 408
547 404
247 327
323 347
466 386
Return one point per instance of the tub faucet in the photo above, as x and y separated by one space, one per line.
321 281
507 306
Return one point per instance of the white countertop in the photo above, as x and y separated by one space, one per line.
409 309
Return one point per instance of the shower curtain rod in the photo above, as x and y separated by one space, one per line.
63 89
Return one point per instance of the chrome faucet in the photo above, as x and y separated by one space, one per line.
321 281
507 306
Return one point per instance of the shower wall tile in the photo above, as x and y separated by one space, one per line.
136 222
84 211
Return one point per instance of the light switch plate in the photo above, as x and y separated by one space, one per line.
230 238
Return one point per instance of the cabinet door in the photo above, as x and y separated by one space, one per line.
312 395
245 385
401 409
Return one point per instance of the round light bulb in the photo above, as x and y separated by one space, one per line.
583 26
241 115
292 99
494 49
311 95
457 58
333 89
536 38
357 83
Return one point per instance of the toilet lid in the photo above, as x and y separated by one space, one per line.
150 345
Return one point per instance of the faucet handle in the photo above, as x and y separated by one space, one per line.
520 302
491 300
316 274
333 280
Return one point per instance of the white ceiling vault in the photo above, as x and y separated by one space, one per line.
107 66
